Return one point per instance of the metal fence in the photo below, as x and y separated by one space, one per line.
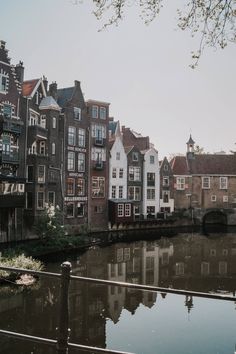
62 342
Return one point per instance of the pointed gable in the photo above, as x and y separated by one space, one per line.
29 87
179 165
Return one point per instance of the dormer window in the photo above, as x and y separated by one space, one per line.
37 97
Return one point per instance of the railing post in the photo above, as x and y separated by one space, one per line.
63 330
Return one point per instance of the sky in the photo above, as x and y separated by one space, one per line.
142 71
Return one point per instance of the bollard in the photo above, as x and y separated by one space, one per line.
63 327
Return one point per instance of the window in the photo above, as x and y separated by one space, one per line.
165 196
134 193
152 159
223 182
37 97
54 122
98 187
7 110
98 154
40 200
166 181
81 137
30 173
71 135
180 182
103 113
113 191
205 182
120 210
98 209
99 131
42 121
70 186
134 173
150 194
213 198
80 209
81 162
3 83
29 200
77 113
114 172
179 268
121 173
42 148
81 186
33 119
51 198
225 199
205 268
150 210
53 148
71 161
127 209
120 192
166 168
135 156
52 176
41 174
94 111
222 268
70 210
118 156
150 179
6 144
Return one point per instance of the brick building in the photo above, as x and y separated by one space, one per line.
12 180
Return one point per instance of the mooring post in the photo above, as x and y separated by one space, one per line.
63 327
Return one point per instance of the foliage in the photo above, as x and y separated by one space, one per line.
212 20
20 261
50 223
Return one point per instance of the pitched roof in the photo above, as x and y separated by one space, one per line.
179 165
213 164
29 86
128 149
204 164
64 95
49 103
112 126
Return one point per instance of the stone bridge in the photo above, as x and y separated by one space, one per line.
225 216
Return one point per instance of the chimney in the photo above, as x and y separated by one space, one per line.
77 83
45 82
20 71
53 90
2 44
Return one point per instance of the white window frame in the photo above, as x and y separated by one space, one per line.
180 183
71 136
40 207
113 192
94 111
224 182
213 198
127 210
81 162
103 112
53 148
71 161
225 199
206 182
151 195
81 137
54 199
41 174
73 209
54 122
3 87
77 113
120 210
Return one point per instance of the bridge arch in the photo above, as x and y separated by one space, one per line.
214 216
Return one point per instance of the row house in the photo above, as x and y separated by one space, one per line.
12 180
75 152
98 116
41 147
205 181
134 176
166 187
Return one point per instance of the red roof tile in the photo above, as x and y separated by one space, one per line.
179 165
28 87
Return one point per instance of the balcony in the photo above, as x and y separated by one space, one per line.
10 125
9 158
99 141
36 132
99 165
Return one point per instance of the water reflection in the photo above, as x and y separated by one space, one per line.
191 262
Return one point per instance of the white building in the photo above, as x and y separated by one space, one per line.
151 183
118 164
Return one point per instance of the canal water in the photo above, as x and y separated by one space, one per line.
130 320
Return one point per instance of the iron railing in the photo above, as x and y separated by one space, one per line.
62 343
